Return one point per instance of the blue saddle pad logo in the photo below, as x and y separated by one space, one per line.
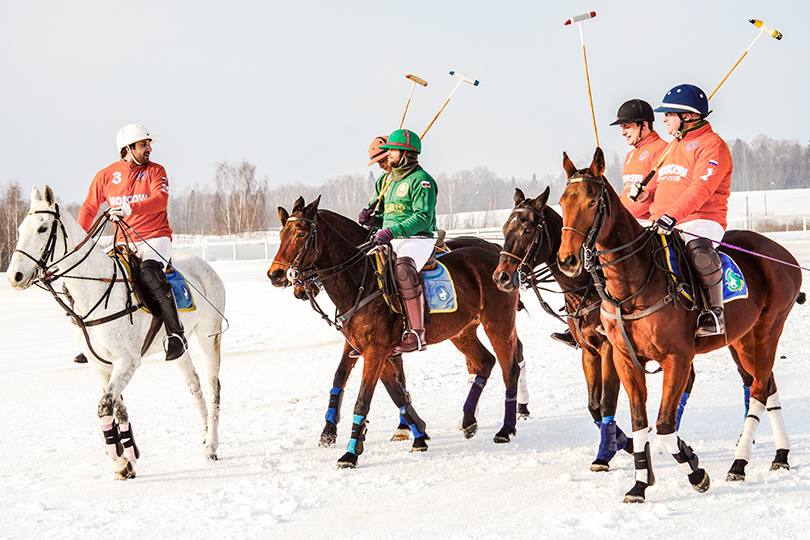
734 285
181 290
439 289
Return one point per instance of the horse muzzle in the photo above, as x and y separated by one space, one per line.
571 265
506 282
278 277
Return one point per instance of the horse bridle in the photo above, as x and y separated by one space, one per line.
50 245
541 234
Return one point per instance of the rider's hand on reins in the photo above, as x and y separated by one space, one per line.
664 224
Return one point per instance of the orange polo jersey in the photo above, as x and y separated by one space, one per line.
694 181
639 161
145 187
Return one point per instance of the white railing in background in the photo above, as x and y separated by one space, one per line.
263 246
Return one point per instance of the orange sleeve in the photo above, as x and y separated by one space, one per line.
95 196
158 198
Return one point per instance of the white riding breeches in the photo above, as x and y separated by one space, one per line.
158 249
418 249
705 228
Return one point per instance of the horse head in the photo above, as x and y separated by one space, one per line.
37 244
585 209
298 247
527 241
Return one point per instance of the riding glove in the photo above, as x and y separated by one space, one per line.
635 191
366 218
664 224
383 237
120 212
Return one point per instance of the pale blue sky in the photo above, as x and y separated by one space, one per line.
300 88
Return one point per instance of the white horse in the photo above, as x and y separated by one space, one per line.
52 244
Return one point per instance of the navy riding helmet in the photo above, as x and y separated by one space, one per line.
685 98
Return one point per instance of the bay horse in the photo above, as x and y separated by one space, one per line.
311 245
393 374
646 320
53 245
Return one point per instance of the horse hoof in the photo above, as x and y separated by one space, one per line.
328 435
600 465
420 444
502 436
468 425
737 471
126 470
347 461
401 434
523 411
470 431
636 495
780 461
700 480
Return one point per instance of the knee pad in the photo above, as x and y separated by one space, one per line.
704 259
406 273
152 276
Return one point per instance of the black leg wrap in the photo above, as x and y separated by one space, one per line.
413 420
335 403
643 461
359 434
686 455
781 460
112 437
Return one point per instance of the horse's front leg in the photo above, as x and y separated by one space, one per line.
373 360
676 375
344 369
603 396
393 378
122 372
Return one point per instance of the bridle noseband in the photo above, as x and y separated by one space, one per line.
50 245
589 254
526 265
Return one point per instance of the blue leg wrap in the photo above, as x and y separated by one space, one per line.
335 400
358 435
747 397
476 387
409 416
679 412
510 410
607 444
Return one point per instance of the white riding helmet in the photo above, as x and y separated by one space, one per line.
132 133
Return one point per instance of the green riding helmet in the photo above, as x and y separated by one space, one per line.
403 139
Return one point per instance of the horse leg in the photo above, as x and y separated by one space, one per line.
120 376
685 397
393 378
329 433
603 396
781 439
479 366
211 351
506 349
127 438
523 389
373 361
675 379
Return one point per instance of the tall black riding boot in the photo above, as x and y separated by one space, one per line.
412 294
154 279
709 270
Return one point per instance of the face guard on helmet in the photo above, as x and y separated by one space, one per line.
634 111
403 139
375 153
685 98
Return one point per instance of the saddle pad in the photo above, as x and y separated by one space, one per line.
180 289
439 289
734 285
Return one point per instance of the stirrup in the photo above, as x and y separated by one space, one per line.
173 353
420 345
713 326
566 338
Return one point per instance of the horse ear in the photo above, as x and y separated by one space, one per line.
282 215
543 198
568 165
598 163
299 204
312 208
49 198
36 196
519 196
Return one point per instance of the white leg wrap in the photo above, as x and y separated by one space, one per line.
640 439
523 389
671 444
745 444
774 408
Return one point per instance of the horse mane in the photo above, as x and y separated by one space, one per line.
347 227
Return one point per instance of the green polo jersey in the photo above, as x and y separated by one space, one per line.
410 205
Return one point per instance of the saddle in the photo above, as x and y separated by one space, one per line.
132 263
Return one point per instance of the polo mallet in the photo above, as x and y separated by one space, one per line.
763 28
578 19
461 78
414 81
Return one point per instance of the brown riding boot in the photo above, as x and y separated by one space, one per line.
411 292
709 270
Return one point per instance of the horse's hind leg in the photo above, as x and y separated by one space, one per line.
393 378
523 388
329 433
208 413
479 365
502 336
131 451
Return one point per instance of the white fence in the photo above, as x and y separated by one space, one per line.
263 246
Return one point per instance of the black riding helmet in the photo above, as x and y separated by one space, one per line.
634 111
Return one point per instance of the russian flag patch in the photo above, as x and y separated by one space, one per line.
712 162
425 183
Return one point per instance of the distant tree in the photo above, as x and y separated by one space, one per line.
12 211
240 198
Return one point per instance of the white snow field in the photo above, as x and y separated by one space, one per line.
273 480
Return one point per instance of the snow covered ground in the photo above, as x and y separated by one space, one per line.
273 481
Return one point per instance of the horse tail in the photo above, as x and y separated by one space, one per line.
802 298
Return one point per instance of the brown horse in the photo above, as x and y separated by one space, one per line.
646 320
312 245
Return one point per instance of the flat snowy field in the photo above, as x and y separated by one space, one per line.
273 480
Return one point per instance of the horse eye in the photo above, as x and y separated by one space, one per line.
528 230
42 229
301 234
591 203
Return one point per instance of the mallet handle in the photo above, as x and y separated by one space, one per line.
407 104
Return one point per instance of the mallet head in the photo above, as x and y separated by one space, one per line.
464 78
416 79
765 28
580 18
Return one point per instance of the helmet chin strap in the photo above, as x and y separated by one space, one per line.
132 155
